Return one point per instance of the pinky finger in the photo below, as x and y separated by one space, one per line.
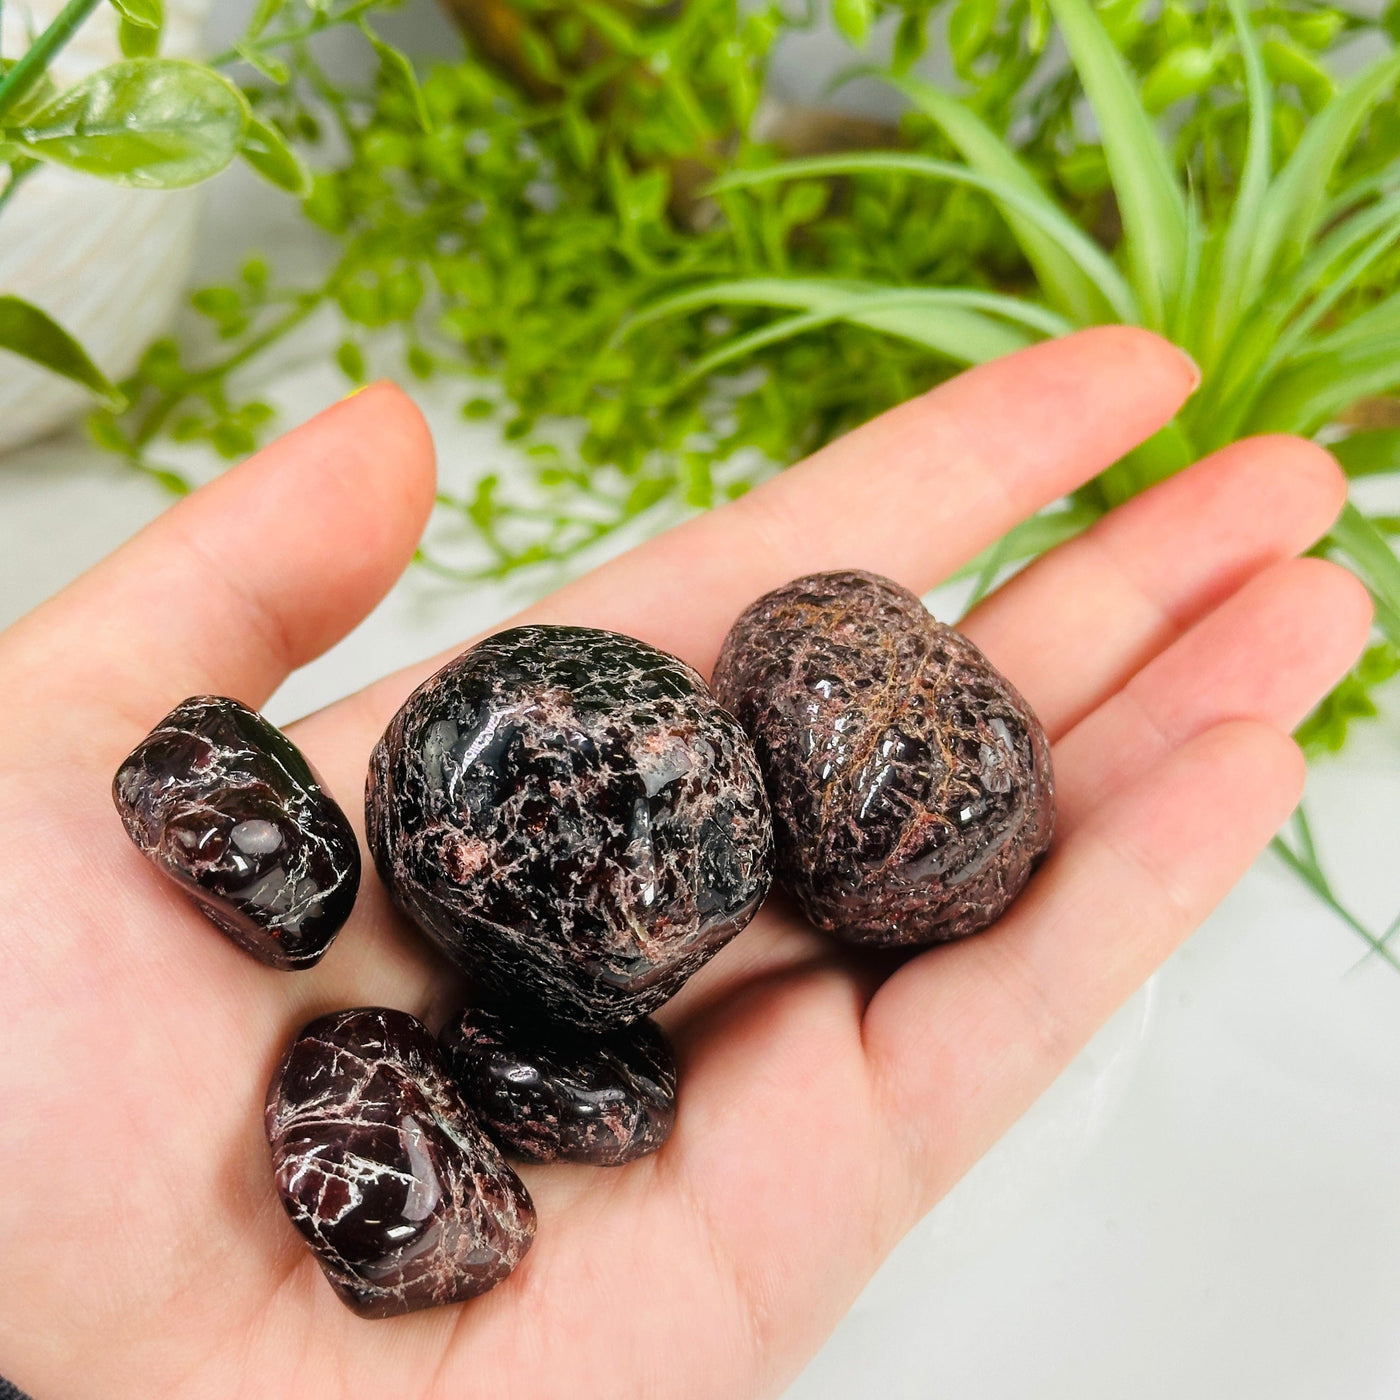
964 1038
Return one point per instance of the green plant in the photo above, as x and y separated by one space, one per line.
1269 289
146 121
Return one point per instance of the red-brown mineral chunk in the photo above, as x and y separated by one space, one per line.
910 783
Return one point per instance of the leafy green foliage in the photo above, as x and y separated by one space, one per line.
1326 729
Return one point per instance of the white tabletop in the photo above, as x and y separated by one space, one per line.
1205 1206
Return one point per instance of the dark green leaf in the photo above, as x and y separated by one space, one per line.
26 330
155 123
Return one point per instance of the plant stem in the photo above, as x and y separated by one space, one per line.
18 175
291 36
35 62
163 408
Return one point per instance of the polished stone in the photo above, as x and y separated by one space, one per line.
227 806
573 819
556 1095
403 1198
910 783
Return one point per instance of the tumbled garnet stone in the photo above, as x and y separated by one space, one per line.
404 1200
910 782
554 1095
572 818
226 805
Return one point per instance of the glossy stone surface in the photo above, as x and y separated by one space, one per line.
404 1200
226 805
573 819
910 782
559 1096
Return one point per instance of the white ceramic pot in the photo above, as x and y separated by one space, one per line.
109 264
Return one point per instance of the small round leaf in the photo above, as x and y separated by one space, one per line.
150 122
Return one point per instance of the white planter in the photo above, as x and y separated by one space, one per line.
109 264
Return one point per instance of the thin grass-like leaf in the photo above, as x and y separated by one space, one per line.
1183 313
1305 864
1227 287
1372 453
1093 261
1298 197
950 321
1149 198
1380 324
797 293
1376 565
1304 398
1360 224
1033 537
1292 342
1063 281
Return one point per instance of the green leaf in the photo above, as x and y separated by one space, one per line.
1180 72
149 122
145 14
1325 730
267 151
1375 564
1380 323
398 73
1032 538
137 40
969 28
34 99
959 323
1227 301
1288 64
26 330
1373 453
267 11
1039 210
1322 280
853 18
351 360
273 69
1297 198
1063 281
1149 199
1304 398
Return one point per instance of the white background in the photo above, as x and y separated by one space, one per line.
1205 1207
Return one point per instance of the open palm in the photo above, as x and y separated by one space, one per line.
827 1099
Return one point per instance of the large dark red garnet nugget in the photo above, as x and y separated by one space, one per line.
910 783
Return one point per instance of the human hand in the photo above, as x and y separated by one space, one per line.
827 1099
